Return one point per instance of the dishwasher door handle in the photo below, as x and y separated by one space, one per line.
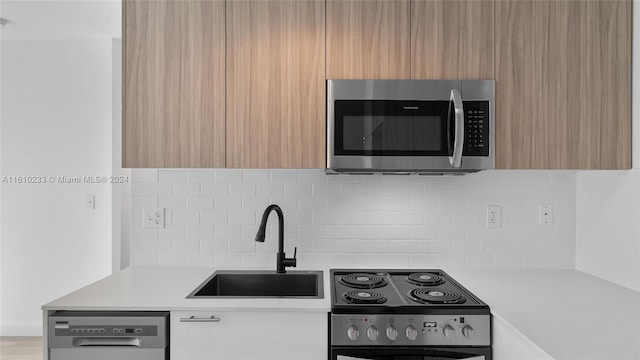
107 341
192 318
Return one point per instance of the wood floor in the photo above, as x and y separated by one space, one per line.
21 348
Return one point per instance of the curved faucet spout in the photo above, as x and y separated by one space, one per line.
282 260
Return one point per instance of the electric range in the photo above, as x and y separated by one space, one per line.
405 314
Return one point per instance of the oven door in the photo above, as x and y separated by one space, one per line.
468 353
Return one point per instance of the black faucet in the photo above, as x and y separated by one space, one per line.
282 260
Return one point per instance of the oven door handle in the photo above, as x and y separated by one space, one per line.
107 341
458 142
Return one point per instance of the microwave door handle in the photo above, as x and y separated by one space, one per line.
458 142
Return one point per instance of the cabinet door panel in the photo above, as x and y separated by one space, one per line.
275 84
173 111
563 84
368 39
452 39
249 335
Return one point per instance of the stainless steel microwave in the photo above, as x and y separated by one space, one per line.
410 126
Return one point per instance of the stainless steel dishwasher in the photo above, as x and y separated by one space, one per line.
108 335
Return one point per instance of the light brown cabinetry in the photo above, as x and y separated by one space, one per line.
173 86
452 39
563 84
275 84
368 39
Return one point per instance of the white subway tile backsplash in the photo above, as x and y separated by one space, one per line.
199 231
228 231
185 217
242 217
242 190
297 190
214 245
284 176
200 176
227 259
199 203
172 176
172 202
270 190
214 189
256 176
172 259
227 203
185 245
144 175
213 217
173 231
437 246
480 261
157 189
309 176
228 176
157 245
423 232
361 220
186 189
199 259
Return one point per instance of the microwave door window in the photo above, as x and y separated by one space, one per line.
392 134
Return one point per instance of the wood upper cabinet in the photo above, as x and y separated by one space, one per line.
563 84
275 84
368 39
173 110
452 39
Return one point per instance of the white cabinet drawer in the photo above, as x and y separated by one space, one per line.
248 335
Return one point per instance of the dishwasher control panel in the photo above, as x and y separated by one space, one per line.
62 328
93 329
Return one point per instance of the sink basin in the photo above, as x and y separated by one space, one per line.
261 284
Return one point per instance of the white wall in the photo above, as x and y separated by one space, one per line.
608 205
55 119
372 221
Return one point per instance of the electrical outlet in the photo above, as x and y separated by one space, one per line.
494 216
153 218
545 214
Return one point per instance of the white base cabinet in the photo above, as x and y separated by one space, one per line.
248 335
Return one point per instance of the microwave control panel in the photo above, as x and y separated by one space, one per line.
476 137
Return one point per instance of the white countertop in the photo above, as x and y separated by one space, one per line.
567 313
166 289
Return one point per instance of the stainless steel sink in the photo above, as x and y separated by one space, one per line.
261 284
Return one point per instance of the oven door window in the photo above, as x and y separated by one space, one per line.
391 128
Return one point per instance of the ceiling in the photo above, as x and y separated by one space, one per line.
55 19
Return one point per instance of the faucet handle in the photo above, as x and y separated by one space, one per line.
291 262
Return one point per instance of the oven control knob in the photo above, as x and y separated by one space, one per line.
392 333
449 332
411 333
468 332
353 333
372 333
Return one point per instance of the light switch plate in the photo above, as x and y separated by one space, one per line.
545 214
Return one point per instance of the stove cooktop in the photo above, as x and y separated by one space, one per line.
400 291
